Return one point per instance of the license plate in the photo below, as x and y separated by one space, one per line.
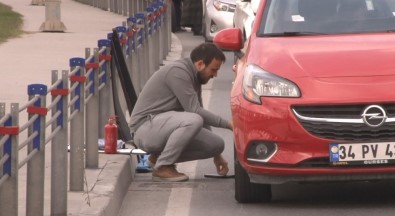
362 153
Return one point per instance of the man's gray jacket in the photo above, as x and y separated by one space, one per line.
174 87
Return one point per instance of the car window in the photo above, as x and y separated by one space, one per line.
327 17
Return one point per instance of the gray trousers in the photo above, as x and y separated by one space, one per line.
177 137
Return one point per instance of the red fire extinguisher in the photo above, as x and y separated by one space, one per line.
110 136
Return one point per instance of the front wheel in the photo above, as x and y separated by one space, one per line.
247 192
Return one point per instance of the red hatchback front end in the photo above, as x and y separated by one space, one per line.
313 96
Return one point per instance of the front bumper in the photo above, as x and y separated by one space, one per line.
282 179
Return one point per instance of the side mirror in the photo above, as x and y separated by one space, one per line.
229 39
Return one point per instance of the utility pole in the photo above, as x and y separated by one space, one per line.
52 17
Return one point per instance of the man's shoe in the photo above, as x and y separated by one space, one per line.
152 160
168 173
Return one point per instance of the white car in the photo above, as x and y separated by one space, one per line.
218 15
244 15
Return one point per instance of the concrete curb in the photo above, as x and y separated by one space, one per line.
107 194
176 50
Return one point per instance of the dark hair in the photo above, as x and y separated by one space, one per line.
207 52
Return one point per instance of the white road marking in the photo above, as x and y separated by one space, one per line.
180 198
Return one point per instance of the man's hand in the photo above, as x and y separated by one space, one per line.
222 165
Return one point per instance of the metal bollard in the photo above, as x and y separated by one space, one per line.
92 103
105 90
77 129
133 60
9 179
132 7
162 35
151 41
125 7
169 25
59 160
122 38
36 165
143 56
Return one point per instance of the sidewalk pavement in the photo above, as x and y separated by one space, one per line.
31 58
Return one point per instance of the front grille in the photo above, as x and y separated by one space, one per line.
335 124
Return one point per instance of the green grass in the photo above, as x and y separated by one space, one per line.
10 23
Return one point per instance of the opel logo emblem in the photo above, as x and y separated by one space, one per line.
374 116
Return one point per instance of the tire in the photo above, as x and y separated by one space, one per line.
197 29
247 192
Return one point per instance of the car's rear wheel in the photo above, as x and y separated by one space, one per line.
247 192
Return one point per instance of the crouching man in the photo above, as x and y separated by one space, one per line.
169 121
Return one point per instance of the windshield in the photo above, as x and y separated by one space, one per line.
303 17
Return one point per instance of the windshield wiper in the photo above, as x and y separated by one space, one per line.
281 34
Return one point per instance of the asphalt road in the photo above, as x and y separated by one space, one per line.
206 196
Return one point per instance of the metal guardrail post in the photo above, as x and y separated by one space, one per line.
111 5
151 41
120 12
92 114
169 8
99 3
133 54
132 7
167 29
125 7
3 198
145 4
153 36
59 149
105 5
156 34
162 33
116 6
38 2
141 48
143 44
105 93
139 6
122 38
36 165
9 188
2 114
77 129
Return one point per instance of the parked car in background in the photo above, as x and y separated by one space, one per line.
218 15
313 97
244 16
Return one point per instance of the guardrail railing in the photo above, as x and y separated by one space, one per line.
80 103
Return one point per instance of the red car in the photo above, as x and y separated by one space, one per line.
313 98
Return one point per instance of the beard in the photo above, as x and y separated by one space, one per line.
201 78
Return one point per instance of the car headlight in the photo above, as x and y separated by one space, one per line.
258 82
222 6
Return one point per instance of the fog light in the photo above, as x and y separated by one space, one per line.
261 151
213 28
